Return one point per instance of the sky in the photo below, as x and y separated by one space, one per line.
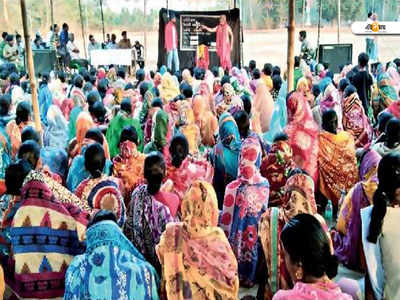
117 5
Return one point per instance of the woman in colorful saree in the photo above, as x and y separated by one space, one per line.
46 233
183 169
197 260
111 267
168 88
263 106
225 156
118 123
337 162
101 191
394 109
15 127
205 120
299 198
188 127
147 216
129 164
380 235
386 90
79 103
276 167
77 171
355 120
303 134
347 237
246 199
309 261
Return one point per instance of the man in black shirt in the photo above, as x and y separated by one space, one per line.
362 80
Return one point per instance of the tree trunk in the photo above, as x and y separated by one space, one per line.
31 67
290 52
5 12
102 20
83 29
338 20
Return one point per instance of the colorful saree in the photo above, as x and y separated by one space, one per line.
246 199
386 90
337 164
111 268
299 193
45 236
276 167
188 126
146 221
5 158
331 100
394 109
190 170
197 260
159 132
13 131
356 122
205 120
263 106
303 134
103 193
347 238
129 167
117 124
225 156
168 89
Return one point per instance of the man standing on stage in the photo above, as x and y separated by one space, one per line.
171 43
224 42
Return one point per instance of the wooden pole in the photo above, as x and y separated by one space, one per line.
290 52
303 12
319 27
31 68
102 20
338 22
5 12
52 13
83 29
145 30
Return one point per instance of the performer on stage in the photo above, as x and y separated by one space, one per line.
171 43
224 42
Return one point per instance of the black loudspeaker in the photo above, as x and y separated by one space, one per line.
44 61
336 55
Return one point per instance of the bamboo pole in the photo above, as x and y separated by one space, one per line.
102 20
83 29
319 27
339 20
145 31
31 68
290 52
52 13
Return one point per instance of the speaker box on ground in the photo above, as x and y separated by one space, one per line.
336 55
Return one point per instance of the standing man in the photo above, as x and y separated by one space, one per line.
112 44
306 51
224 42
171 43
93 45
372 45
62 47
124 43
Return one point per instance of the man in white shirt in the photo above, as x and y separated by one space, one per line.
93 45
72 48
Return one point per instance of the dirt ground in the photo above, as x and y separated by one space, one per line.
271 45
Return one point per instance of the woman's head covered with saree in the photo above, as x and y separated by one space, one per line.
197 260
109 251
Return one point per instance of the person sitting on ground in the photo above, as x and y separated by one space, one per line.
391 142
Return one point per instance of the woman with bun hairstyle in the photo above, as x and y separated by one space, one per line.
309 261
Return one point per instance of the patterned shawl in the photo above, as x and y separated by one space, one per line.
337 164
276 167
355 120
146 221
198 262
129 167
103 193
347 238
299 199
303 134
246 199
386 90
45 237
111 268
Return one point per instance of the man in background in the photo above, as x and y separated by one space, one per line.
113 42
372 45
62 47
93 45
171 43
362 80
306 51
10 51
139 48
3 43
124 43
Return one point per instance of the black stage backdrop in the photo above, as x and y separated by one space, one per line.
186 44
